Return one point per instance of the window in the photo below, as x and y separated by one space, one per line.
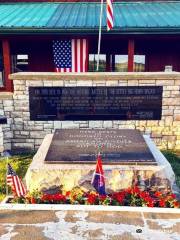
20 62
93 62
139 63
121 63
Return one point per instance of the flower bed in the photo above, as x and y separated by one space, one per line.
128 197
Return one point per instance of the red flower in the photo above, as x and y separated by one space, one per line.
136 190
102 197
150 204
157 194
144 194
162 203
148 199
176 204
58 197
68 193
128 190
45 197
91 198
33 200
172 195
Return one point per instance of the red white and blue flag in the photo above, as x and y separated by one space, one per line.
98 181
110 15
70 55
15 182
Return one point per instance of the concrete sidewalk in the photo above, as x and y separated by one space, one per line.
88 225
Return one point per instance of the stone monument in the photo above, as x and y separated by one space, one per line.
68 158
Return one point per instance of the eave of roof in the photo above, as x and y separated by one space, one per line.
79 18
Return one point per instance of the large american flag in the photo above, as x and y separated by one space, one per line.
110 15
70 55
15 182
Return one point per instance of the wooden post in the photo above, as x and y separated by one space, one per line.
7 65
130 55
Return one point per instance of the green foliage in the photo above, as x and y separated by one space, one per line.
19 163
174 160
1 196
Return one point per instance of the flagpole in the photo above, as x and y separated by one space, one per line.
7 158
6 155
99 38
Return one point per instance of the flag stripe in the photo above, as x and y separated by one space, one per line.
17 186
81 55
20 186
85 54
110 15
73 55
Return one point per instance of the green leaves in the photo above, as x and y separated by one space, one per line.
19 163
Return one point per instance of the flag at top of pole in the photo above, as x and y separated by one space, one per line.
98 177
110 15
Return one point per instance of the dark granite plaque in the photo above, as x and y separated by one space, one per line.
95 103
3 120
81 146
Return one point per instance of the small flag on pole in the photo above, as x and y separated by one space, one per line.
15 182
110 15
98 177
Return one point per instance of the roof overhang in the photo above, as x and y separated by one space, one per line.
83 18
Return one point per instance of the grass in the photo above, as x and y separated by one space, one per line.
174 160
19 163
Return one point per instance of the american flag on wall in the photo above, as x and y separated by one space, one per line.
15 182
70 55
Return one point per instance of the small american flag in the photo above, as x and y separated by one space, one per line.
70 55
110 15
15 182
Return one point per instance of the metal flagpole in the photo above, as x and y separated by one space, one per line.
6 155
6 175
99 39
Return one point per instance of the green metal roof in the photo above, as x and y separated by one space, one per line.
131 17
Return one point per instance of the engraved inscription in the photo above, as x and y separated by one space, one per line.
96 103
82 145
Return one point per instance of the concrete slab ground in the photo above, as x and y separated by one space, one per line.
88 225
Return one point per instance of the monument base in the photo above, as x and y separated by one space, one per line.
42 176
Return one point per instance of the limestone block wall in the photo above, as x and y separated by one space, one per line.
1 140
6 131
21 133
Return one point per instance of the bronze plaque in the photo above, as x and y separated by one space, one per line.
81 146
